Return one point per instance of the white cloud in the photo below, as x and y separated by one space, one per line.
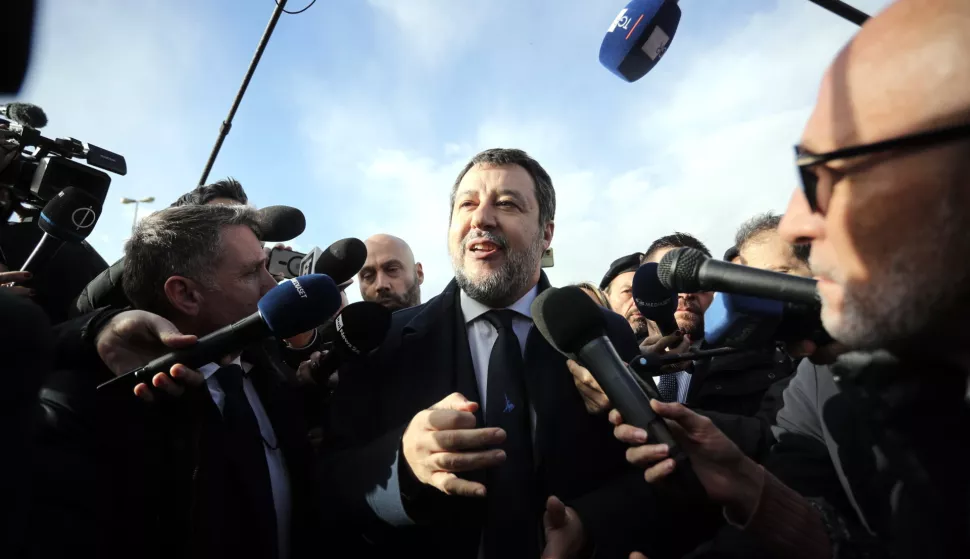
717 148
434 31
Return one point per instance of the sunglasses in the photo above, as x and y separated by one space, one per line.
819 192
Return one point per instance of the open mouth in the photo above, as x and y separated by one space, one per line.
482 248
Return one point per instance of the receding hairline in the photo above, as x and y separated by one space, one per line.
386 239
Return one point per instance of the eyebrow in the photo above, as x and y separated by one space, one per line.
501 192
261 263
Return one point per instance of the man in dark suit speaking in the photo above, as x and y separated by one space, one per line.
461 434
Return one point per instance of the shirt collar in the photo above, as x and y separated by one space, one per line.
210 369
472 309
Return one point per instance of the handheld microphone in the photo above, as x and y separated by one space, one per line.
355 332
750 322
573 324
292 307
25 114
638 37
68 218
341 260
281 223
688 270
654 301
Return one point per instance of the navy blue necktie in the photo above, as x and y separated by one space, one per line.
667 387
245 449
511 528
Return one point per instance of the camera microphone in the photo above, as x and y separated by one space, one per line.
68 218
25 114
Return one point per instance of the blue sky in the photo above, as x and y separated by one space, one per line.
362 112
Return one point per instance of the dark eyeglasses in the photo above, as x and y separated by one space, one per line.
818 198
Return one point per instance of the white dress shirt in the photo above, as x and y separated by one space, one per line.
482 336
278 475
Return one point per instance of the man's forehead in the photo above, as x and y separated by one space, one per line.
510 178
623 280
240 241
904 72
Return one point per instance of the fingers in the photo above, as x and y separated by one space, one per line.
18 290
168 333
14 277
615 417
689 420
165 383
455 401
637 555
465 439
144 392
647 455
555 516
630 434
659 471
466 461
450 484
593 396
187 376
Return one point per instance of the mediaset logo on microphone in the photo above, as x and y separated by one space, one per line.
299 288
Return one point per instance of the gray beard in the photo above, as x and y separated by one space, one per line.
505 286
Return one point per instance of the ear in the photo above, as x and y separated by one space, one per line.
547 232
183 294
419 270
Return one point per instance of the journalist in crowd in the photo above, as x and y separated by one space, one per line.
872 452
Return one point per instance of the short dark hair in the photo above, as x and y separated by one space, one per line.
677 240
544 191
763 223
179 241
202 195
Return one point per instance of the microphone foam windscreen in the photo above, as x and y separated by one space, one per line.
299 304
679 269
281 223
359 328
342 260
70 215
27 114
654 301
567 318
638 37
741 321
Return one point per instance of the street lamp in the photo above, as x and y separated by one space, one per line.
148 200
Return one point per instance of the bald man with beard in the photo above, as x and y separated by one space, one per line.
873 453
390 275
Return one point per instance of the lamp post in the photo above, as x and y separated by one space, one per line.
148 200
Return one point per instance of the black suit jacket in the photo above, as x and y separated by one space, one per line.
169 488
424 358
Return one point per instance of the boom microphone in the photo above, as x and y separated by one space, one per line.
341 260
281 223
638 37
750 322
654 301
68 218
688 270
576 327
25 114
356 331
294 306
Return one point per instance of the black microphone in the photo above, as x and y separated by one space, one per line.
25 114
281 223
68 218
292 307
654 301
355 332
688 270
341 260
573 324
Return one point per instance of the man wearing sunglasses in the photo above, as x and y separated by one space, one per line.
872 454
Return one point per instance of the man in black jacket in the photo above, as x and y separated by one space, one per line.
223 470
459 437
